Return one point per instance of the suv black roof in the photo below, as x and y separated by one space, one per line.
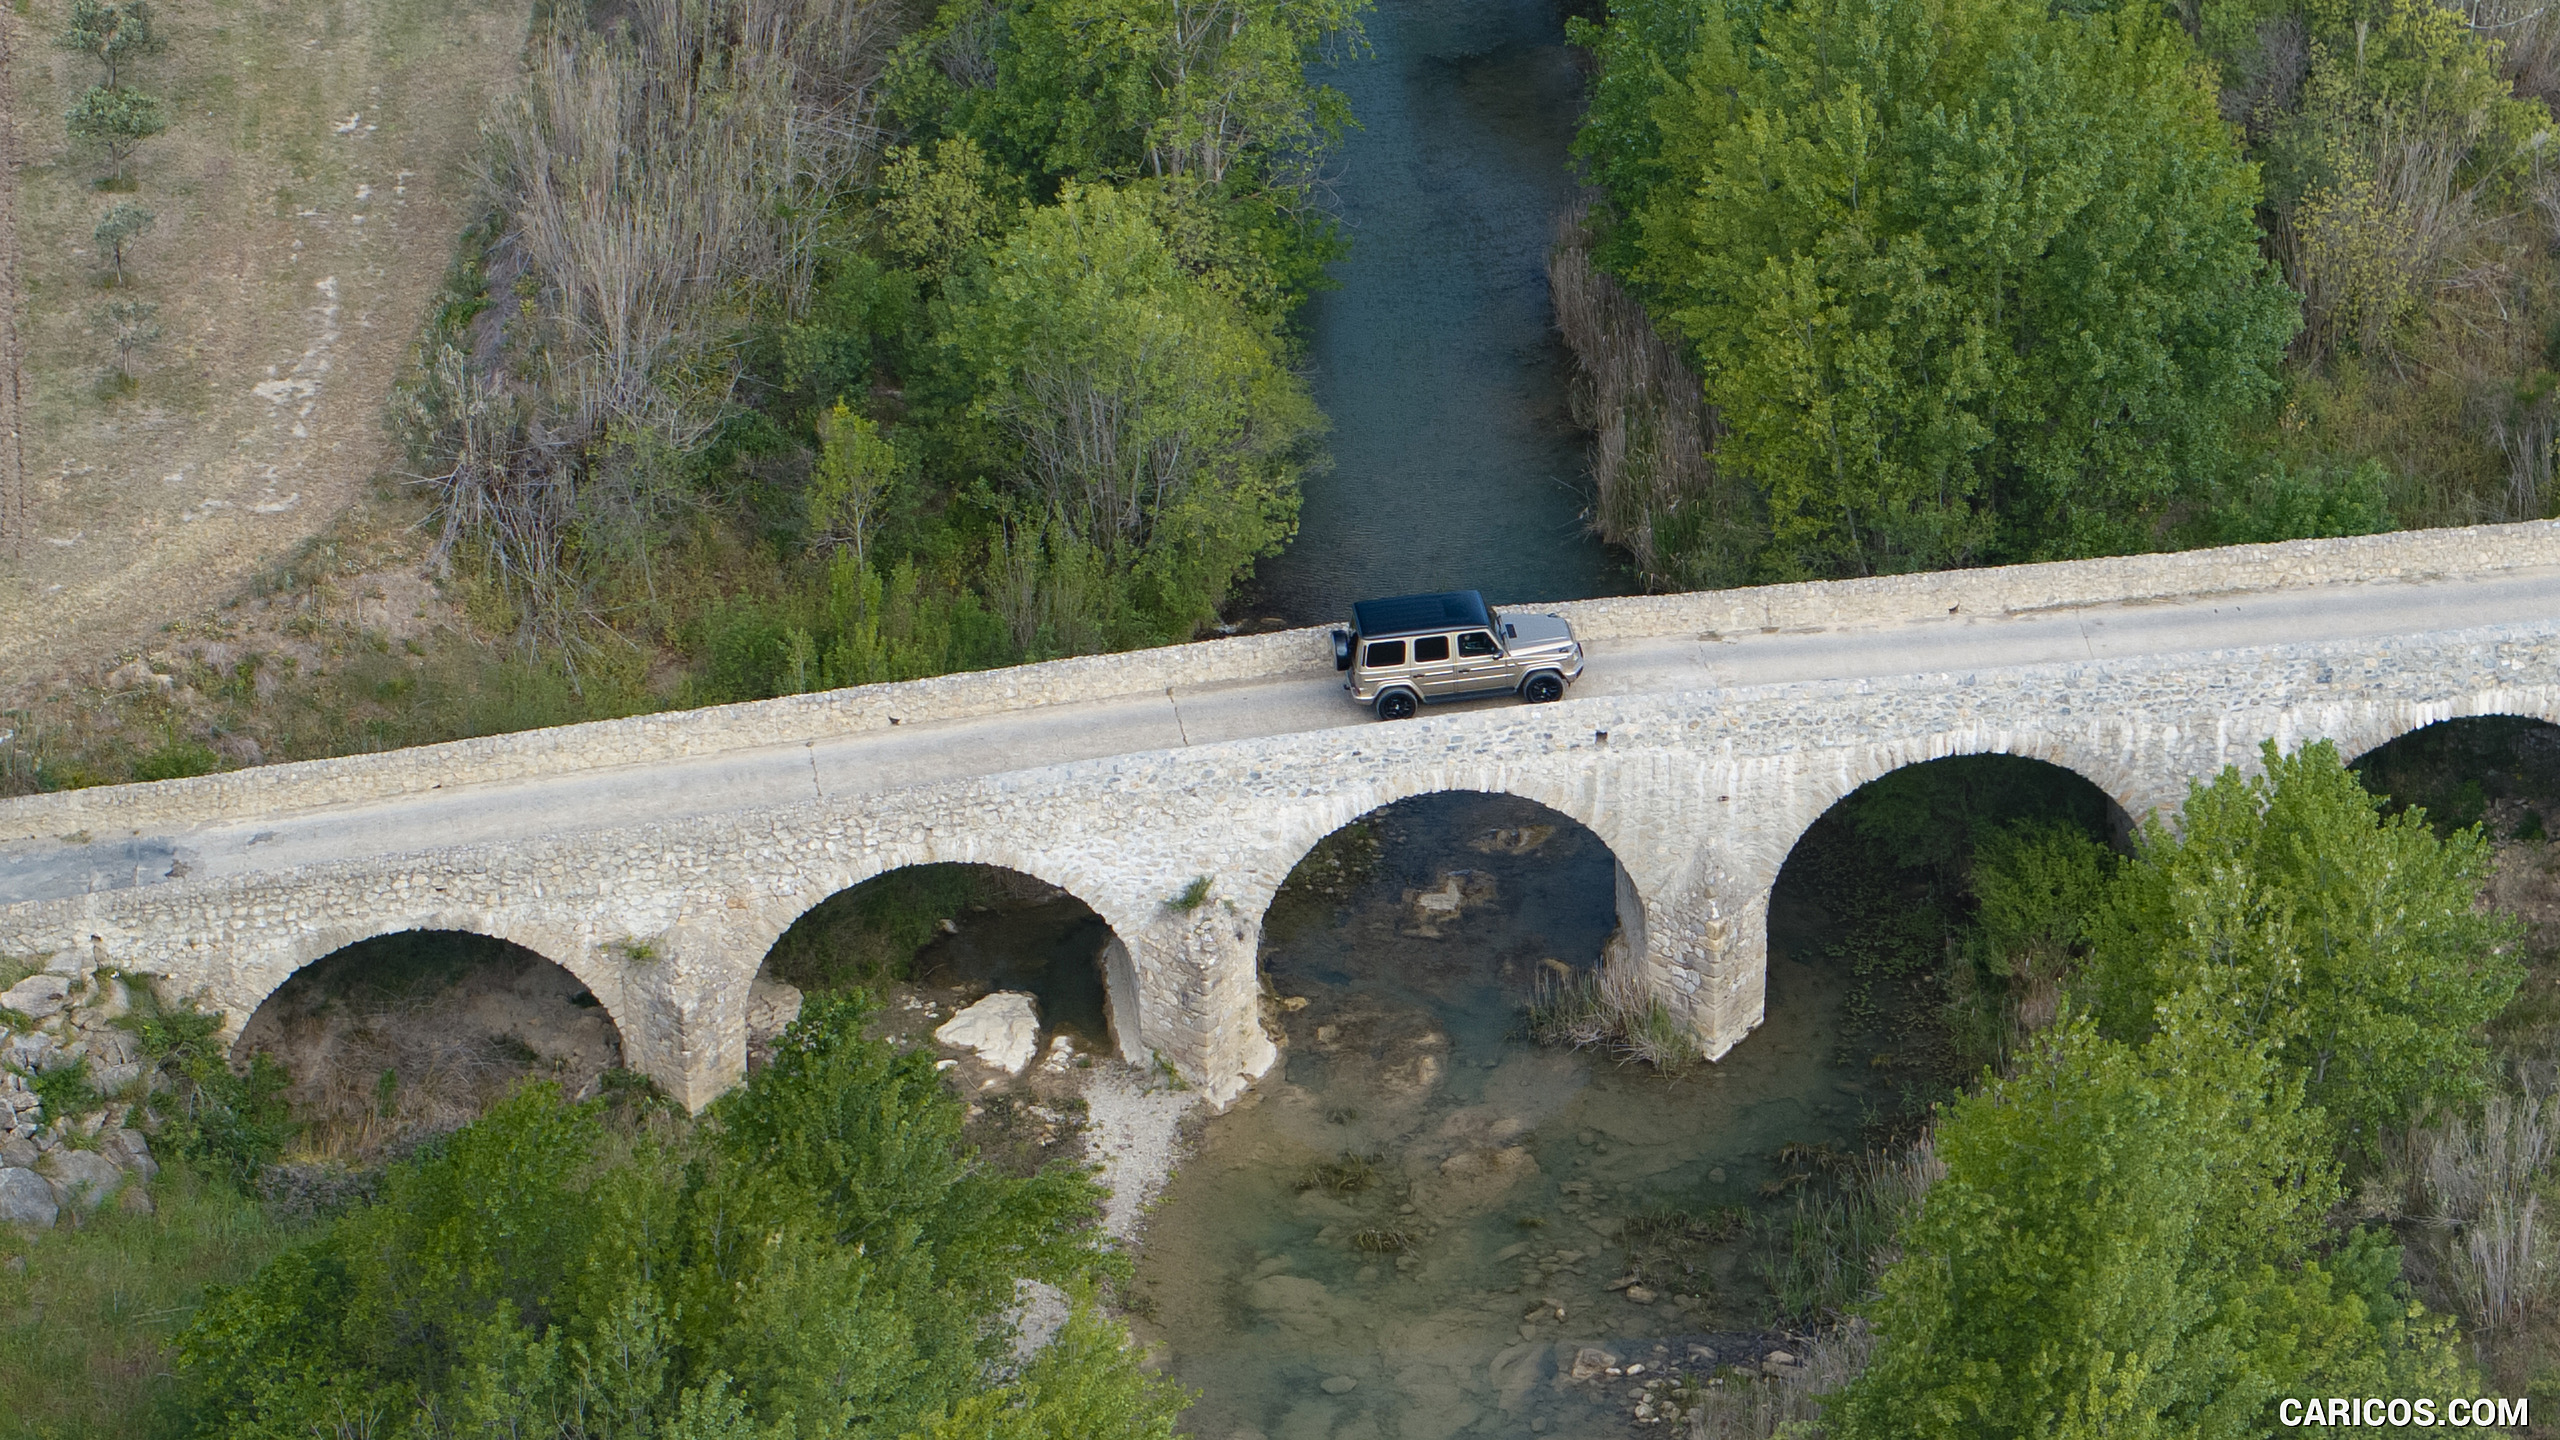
1406 614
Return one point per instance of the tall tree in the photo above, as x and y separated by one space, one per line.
2349 941
1966 278
111 32
1153 421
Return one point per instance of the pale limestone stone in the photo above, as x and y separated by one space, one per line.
26 1199
1004 1029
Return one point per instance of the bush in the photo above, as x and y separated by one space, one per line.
231 1124
820 1255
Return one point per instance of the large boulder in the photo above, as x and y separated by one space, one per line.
82 1179
1004 1029
38 997
25 1199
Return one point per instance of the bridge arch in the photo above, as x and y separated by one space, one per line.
1123 913
804 954
259 972
409 1031
1308 825
2365 734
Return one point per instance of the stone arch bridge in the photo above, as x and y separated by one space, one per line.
658 858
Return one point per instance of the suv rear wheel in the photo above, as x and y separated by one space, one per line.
1396 705
1543 687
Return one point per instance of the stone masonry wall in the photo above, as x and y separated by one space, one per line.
1700 795
2413 554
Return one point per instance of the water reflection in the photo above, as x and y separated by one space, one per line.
1412 1227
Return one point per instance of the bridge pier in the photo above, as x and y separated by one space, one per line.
1198 997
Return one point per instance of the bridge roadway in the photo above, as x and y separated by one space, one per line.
877 761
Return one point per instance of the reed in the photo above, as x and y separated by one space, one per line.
1657 491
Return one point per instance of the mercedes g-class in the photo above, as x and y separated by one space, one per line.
1416 649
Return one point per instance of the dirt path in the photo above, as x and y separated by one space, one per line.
308 192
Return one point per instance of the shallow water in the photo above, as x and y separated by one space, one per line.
1508 1166
1455 462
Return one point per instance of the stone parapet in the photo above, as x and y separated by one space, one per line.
280 789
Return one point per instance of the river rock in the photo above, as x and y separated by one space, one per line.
1590 1361
38 997
1472 1180
82 1179
1640 1295
1294 1303
1004 1029
1339 1385
25 1199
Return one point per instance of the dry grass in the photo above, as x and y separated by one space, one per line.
659 185
1614 1009
157 506
1659 492
1766 1407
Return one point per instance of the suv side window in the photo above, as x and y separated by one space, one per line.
1476 645
1430 648
1386 652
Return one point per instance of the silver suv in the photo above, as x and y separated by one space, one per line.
1452 646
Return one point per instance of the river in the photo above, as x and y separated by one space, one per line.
1456 465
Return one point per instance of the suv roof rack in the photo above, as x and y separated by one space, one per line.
1406 614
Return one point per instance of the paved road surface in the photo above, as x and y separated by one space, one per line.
874 761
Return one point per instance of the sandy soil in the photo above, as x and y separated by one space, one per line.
309 193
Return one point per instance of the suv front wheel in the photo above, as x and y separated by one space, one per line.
1542 688
1396 705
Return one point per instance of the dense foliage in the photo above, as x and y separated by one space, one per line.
821 1256
2133 1235
936 350
1965 279
1972 280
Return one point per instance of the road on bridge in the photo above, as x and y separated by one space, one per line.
874 761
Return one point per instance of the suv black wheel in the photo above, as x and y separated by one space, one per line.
1541 689
1396 705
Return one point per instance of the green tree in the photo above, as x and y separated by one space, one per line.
1153 422
2350 942
856 468
121 225
131 326
111 32
1966 279
2119 1248
117 121
819 1256
1207 100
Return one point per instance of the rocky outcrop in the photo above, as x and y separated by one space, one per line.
1004 1030
61 1023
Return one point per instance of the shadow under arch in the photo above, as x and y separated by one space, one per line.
1455 901
2501 772
969 926
411 1032
1873 898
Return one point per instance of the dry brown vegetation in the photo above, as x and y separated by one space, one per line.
308 191
1657 491
657 185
